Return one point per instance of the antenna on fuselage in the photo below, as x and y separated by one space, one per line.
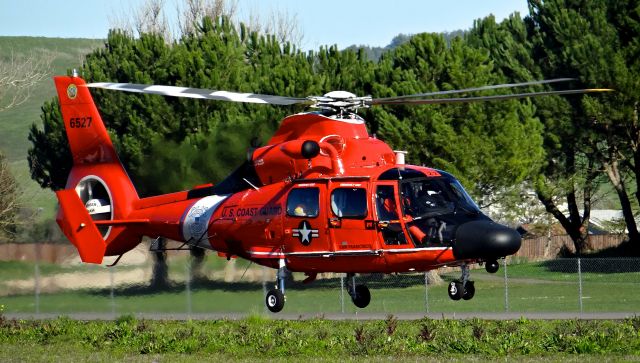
248 182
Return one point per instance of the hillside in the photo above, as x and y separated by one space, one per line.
374 53
15 122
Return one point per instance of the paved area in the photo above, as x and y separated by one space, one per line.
333 316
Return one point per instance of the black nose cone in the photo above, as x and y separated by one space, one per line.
485 239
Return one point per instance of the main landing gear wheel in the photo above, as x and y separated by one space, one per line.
362 296
275 300
275 297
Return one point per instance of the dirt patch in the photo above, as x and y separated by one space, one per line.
78 280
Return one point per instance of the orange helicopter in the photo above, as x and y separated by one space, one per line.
322 196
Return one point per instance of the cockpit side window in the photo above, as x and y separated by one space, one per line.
387 209
303 202
434 196
349 202
386 203
424 196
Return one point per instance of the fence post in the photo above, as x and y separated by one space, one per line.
37 279
188 287
580 284
426 291
506 286
264 288
111 293
342 294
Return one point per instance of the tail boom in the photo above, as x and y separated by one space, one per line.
100 211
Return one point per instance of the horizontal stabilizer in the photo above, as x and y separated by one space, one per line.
79 228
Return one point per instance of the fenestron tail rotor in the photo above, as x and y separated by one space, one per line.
345 101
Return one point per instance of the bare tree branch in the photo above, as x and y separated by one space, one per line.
19 74
195 10
8 199
284 26
151 18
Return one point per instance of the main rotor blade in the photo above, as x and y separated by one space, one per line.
475 89
201 93
488 98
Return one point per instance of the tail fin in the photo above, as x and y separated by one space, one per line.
101 183
88 137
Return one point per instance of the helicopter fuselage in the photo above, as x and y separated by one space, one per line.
322 196
314 197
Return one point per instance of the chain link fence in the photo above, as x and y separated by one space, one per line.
557 285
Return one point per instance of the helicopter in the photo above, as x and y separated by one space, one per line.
321 196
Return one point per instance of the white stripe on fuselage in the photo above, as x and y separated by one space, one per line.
196 220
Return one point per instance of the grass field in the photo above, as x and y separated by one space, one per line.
256 338
532 287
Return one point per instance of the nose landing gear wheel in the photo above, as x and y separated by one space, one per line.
275 300
361 297
492 266
455 290
463 288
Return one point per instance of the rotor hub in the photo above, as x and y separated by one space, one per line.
340 101
339 95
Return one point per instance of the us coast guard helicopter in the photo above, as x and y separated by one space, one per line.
321 196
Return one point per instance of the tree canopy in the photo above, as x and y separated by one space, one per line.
562 147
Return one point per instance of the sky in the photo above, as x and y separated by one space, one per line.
325 22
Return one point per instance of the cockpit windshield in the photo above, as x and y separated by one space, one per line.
428 197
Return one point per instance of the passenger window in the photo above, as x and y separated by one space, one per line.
303 202
349 202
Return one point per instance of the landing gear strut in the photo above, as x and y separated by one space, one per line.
360 294
462 288
275 297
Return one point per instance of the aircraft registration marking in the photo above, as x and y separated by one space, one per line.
80 122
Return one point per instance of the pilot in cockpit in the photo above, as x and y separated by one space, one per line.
386 203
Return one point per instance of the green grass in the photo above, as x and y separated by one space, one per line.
32 195
531 288
259 338
12 270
